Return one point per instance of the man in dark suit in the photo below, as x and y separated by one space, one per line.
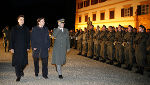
19 45
61 46
40 42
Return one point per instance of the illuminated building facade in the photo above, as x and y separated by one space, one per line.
112 13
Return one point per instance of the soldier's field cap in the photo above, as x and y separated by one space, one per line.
61 20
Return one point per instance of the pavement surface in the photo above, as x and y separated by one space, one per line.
78 70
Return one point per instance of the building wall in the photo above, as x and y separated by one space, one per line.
107 6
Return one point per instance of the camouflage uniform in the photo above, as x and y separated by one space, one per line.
91 44
103 49
128 50
97 45
119 51
85 43
110 46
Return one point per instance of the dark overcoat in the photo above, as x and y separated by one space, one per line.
40 39
20 42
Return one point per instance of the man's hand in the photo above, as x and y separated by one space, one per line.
28 49
48 48
34 48
68 50
12 50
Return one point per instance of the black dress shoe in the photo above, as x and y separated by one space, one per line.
18 79
90 57
103 60
97 58
79 53
85 55
36 74
118 65
60 77
45 77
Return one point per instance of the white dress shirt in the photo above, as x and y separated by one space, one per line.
61 29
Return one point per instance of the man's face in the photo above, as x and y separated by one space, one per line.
141 29
103 29
21 21
119 28
129 29
110 29
42 22
61 25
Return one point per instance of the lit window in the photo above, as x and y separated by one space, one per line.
94 17
80 19
86 18
102 17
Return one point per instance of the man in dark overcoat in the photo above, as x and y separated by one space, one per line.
61 46
40 42
19 45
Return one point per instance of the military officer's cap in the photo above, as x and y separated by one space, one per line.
142 26
61 20
130 26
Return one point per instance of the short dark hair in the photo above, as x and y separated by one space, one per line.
39 19
20 16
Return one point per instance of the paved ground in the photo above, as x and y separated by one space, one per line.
77 71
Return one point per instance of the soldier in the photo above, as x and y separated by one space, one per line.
61 46
118 46
19 45
128 50
110 45
71 34
103 49
6 34
80 39
75 38
97 43
91 42
85 43
39 48
140 51
148 48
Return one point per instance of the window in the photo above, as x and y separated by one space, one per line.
112 16
125 12
100 1
142 9
80 19
80 5
86 18
94 2
102 16
94 17
86 3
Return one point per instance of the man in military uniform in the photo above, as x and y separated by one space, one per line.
80 39
75 38
103 49
71 34
128 44
110 45
61 46
6 38
85 43
140 51
148 48
97 43
118 46
91 43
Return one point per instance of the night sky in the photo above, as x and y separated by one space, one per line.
52 10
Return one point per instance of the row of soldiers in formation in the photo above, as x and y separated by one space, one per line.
124 46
